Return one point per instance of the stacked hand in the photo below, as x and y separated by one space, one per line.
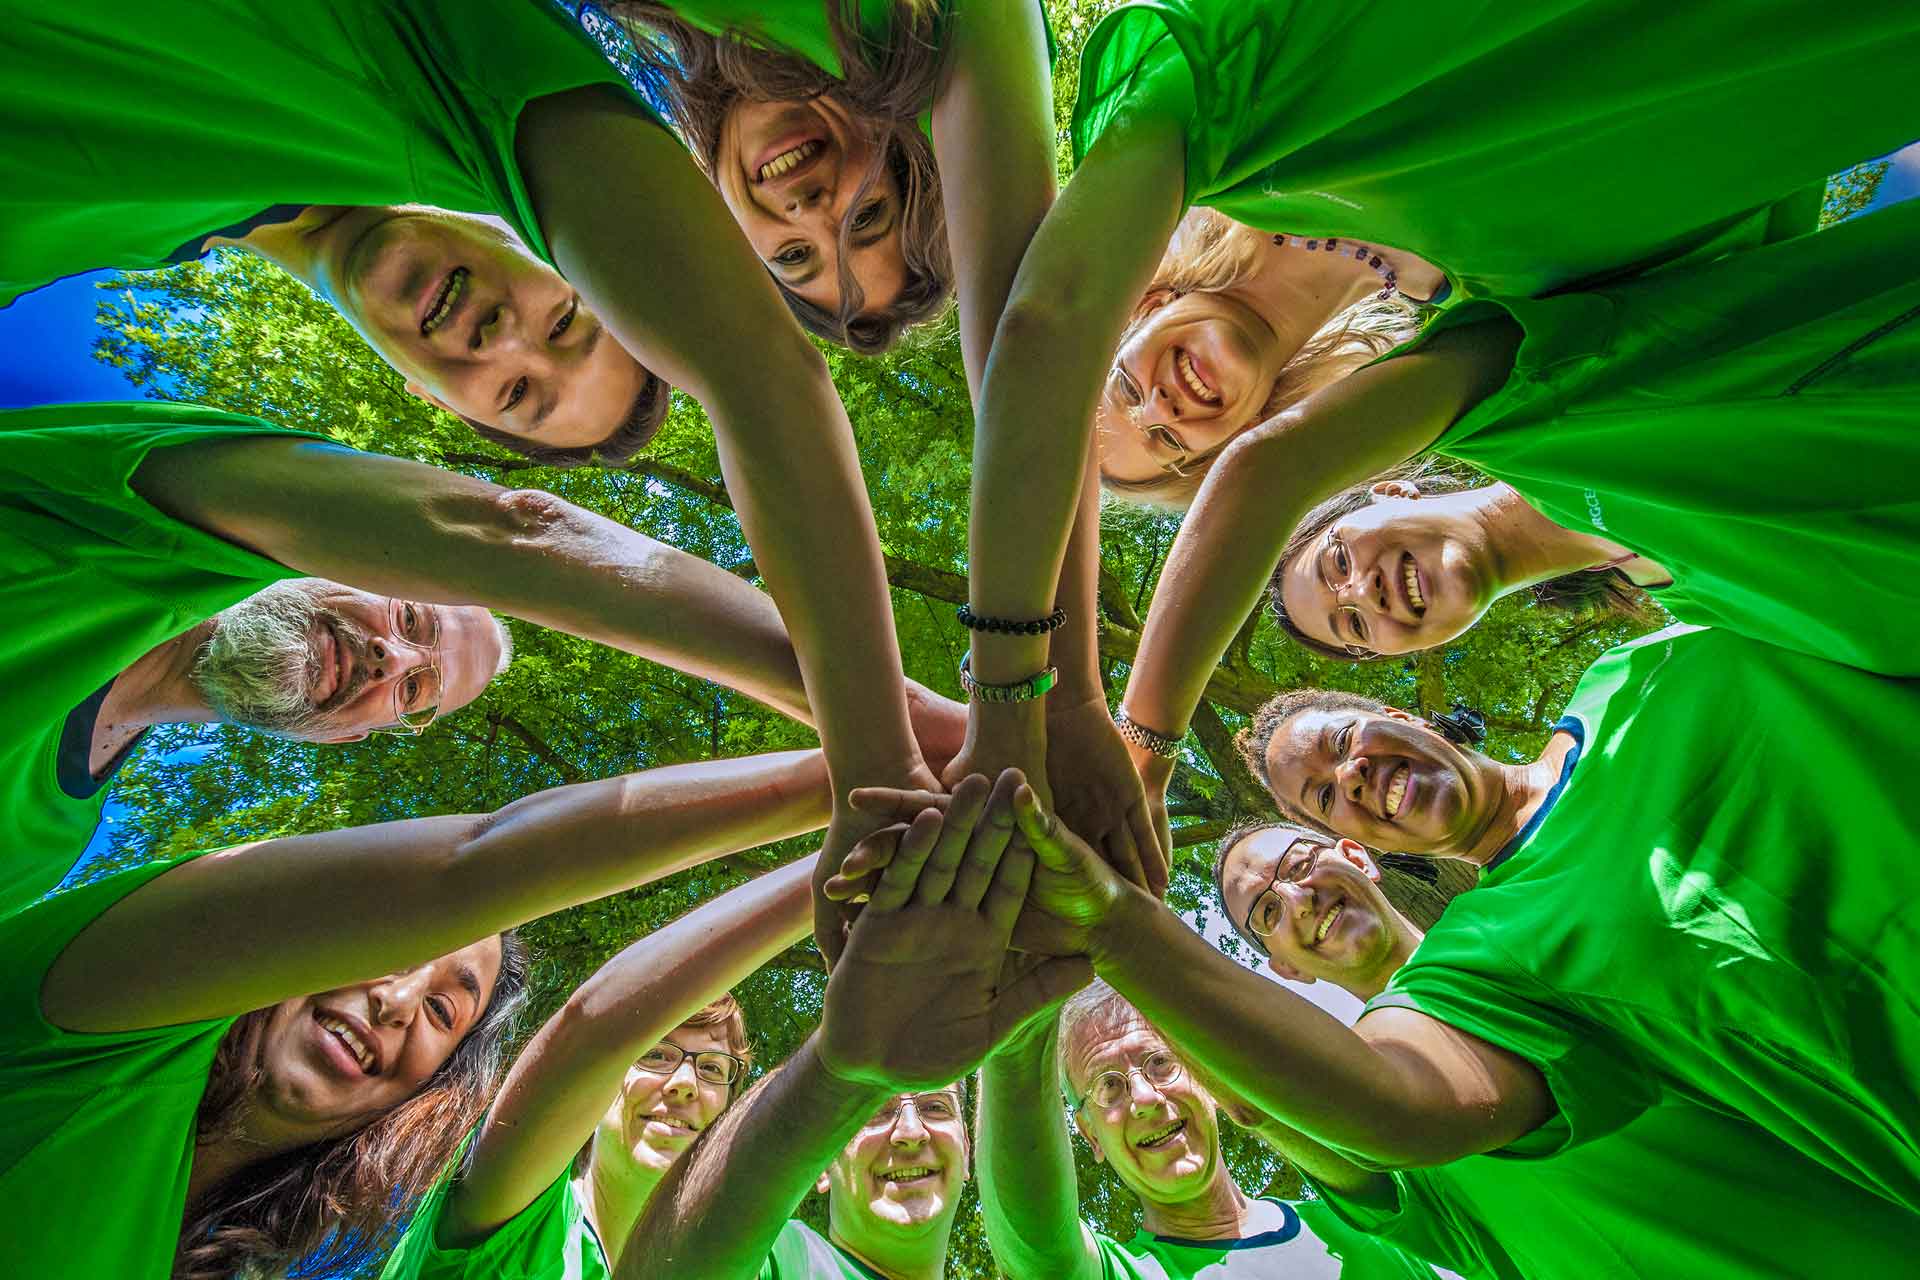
918 997
846 829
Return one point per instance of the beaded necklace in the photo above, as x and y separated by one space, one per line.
1360 252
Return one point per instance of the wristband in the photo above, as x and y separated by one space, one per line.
1034 686
1146 739
1011 626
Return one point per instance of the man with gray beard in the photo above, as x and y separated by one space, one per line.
143 553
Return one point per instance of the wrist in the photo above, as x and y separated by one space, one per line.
1025 1050
1112 938
836 1088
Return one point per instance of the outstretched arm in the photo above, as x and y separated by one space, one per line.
1267 480
406 529
650 246
559 1086
252 925
1029 1194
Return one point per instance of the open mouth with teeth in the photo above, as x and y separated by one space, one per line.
1327 922
446 301
789 160
1161 1137
675 1127
908 1175
349 1039
1396 792
1410 580
1198 387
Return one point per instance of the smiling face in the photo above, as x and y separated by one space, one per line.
661 1114
1162 1140
789 173
1384 779
1333 924
485 331
1196 371
901 1175
316 660
331 1062
1401 574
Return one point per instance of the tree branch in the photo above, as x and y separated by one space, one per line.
534 743
1248 797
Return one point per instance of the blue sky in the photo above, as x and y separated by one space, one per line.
48 340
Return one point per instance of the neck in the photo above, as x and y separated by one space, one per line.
220 1159
157 689
1526 547
1367 985
1218 1211
1522 789
922 1256
616 1193
1297 292
310 247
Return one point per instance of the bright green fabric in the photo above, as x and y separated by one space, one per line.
1749 424
132 130
1724 902
96 1131
1680 1193
550 1239
1519 146
799 26
801 1253
105 577
1297 1240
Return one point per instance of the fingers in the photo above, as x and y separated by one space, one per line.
903 872
829 931
894 804
1123 855
853 881
1041 830
1047 985
1154 857
989 845
1008 893
954 842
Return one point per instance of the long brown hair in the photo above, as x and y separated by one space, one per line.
1582 593
887 84
336 1202
1209 253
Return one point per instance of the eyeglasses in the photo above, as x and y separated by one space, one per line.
710 1065
1295 866
1160 1067
927 1106
1343 565
416 695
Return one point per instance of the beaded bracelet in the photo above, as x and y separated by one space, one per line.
1011 626
1146 739
1034 686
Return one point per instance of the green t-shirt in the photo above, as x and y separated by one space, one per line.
1299 1240
798 26
1520 147
1681 1192
133 131
105 576
1723 902
550 1239
1748 423
96 1130
801 1253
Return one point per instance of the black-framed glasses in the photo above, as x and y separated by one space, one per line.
710 1066
416 695
935 1107
1108 1089
1296 864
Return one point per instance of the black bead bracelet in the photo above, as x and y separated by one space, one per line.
1012 626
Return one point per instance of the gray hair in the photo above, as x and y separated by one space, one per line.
256 667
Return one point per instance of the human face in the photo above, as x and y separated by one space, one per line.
1401 574
1334 924
330 1063
320 661
903 1172
1162 1140
661 1115
1193 374
788 172
485 331
1383 779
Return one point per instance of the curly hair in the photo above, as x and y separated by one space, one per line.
336 1201
1582 593
1209 253
886 84
1253 741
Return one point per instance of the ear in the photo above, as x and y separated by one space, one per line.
1395 489
1099 1155
1359 857
357 735
419 392
1287 971
820 1183
1153 300
1395 713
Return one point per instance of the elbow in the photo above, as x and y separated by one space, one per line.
506 519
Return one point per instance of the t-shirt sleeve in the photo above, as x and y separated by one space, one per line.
1469 982
541 1239
1412 1234
1132 65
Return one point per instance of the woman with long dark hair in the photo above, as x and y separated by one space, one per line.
160 1053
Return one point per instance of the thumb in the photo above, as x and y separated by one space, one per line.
1042 831
1045 986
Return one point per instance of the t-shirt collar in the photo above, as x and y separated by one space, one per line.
1578 732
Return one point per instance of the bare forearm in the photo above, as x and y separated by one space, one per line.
400 528
722 1205
1076 645
1029 1194
559 1086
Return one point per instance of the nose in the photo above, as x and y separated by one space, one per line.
683 1085
1161 406
394 1000
807 197
1145 1093
1350 777
907 1129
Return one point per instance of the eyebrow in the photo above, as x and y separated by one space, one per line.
586 350
470 980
